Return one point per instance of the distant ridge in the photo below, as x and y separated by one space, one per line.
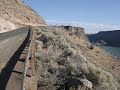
111 38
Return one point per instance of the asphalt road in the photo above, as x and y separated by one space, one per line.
13 51
14 33
10 42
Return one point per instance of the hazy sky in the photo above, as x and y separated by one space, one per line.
93 15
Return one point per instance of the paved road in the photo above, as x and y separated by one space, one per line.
10 42
12 56
14 33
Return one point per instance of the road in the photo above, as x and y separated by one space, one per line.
14 33
13 50
9 43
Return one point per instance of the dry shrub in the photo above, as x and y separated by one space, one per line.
91 47
61 50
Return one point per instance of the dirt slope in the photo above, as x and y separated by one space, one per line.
19 14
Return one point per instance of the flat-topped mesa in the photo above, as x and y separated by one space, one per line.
78 31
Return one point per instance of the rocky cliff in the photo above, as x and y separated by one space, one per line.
77 31
110 38
16 13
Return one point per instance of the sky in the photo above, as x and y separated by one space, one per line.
93 15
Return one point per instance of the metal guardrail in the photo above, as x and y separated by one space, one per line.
31 53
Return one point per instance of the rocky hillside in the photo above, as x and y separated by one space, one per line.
14 13
65 60
110 38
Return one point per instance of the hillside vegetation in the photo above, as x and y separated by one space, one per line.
65 58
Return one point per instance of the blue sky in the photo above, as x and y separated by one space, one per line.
93 15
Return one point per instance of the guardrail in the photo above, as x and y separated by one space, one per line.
31 53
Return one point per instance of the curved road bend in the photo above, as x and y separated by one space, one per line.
13 51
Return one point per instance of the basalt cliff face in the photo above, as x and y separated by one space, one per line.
15 13
110 38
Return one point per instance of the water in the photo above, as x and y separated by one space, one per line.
114 50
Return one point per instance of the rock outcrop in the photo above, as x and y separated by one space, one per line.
77 31
110 38
19 14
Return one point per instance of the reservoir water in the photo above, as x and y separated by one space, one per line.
114 50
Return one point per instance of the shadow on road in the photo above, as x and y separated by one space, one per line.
8 69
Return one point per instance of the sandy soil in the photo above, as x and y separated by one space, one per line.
6 26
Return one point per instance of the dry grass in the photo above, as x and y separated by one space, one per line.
58 55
